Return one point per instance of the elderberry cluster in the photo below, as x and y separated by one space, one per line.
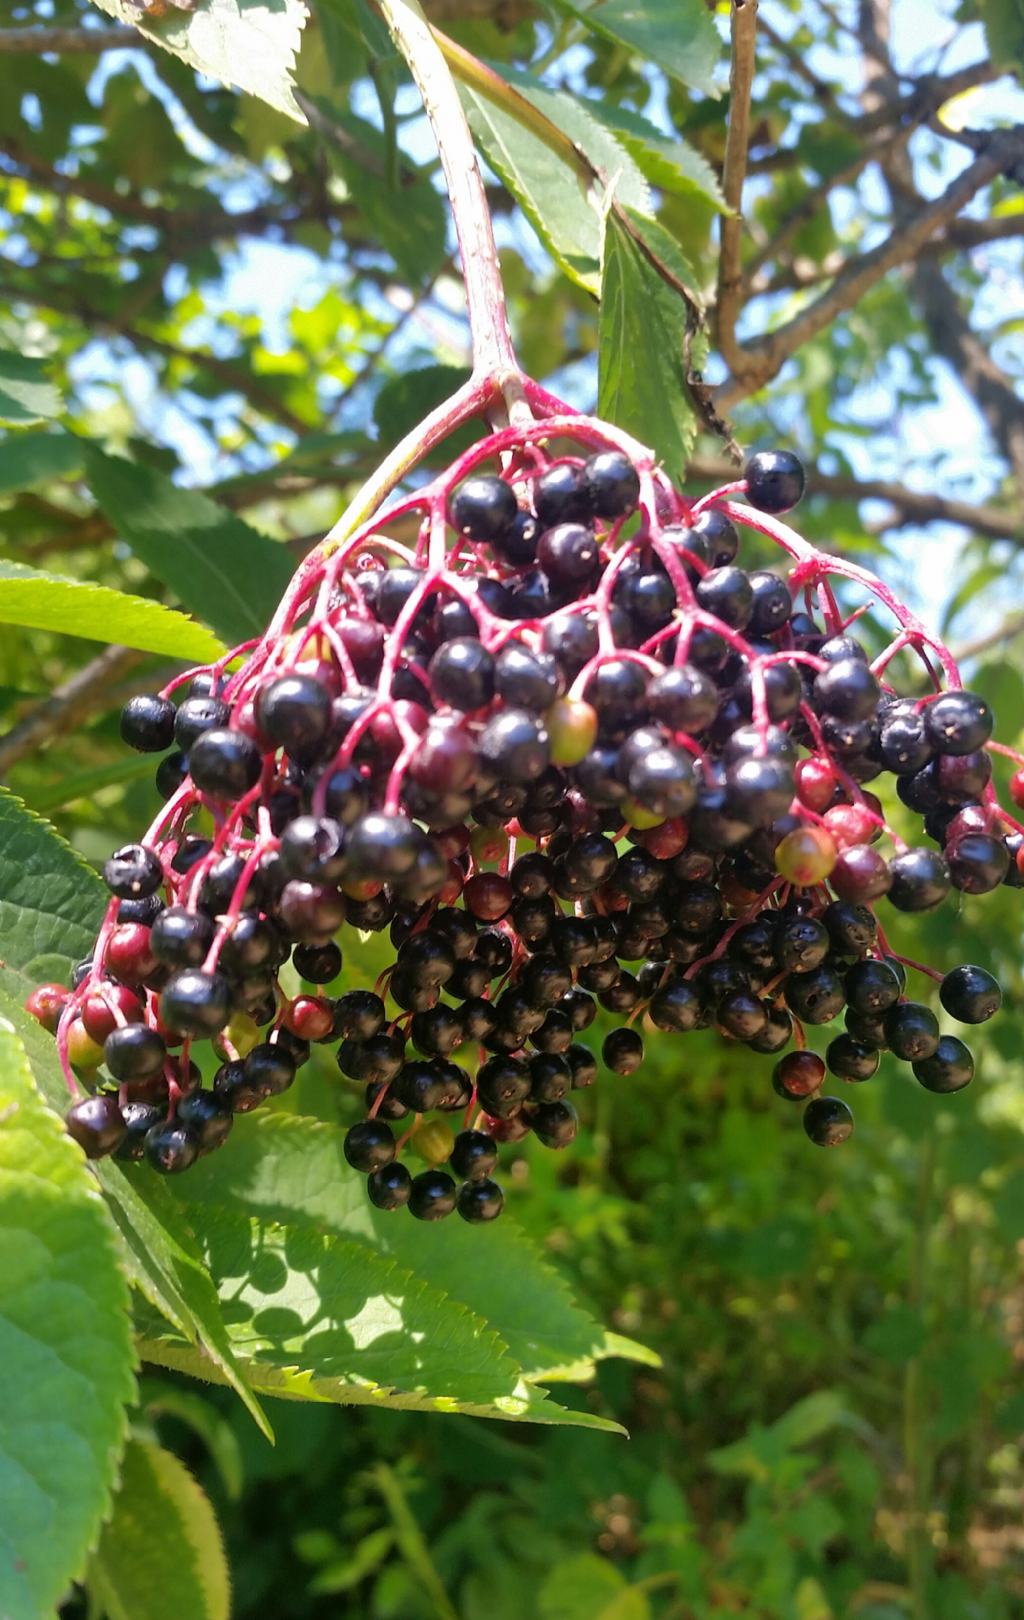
570 754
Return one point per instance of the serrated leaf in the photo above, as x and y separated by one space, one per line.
62 791
284 1167
51 905
564 206
75 607
317 1317
678 36
669 163
26 393
30 459
246 44
161 1555
51 902
65 1347
159 1398
227 573
641 367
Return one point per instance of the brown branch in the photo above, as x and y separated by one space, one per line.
909 505
730 272
80 695
66 41
764 359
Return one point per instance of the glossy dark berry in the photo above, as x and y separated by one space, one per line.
139 1119
294 713
850 1059
390 1187
828 1121
208 1116
461 674
727 593
911 1030
772 602
134 1052
612 484
369 1145
171 1148
775 480
195 1003
97 1125
949 1068
224 763
958 722
562 495
514 745
479 1201
431 1195
318 964
197 714
798 1075
483 507
872 987
568 553
920 880
147 723
555 1124
970 994
133 872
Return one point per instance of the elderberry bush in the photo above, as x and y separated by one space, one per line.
570 754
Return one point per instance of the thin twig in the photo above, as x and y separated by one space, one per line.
730 272
85 691
67 41
1010 627
765 357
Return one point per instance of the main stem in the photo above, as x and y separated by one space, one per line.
493 355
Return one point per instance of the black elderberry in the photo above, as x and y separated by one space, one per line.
958 722
800 943
438 1031
949 1068
483 507
313 848
851 1059
579 1008
139 1119
97 1124
550 1077
134 1052
479 1201
977 862
568 553
562 495
867 1028
514 745
170 774
816 997
727 593
772 602
195 1003
147 723
775 480
133 872
911 1031
970 994
741 1014
555 1124
920 880
382 845
847 690
208 1116
851 928
319 964
432 1195
828 1121
225 763
390 1187
612 484
872 987
294 713
196 715
462 674
171 1147
777 1033
181 938
474 1155
369 1145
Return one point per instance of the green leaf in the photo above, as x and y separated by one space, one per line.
26 393
30 459
641 366
406 215
160 1399
286 1168
668 163
51 905
247 44
590 1588
161 1555
678 36
74 607
62 791
406 399
564 208
227 573
1004 31
65 1348
315 1317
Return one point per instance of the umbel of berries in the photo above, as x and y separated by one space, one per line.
538 723
543 722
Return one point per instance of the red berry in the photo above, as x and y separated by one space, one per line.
488 896
129 956
815 783
98 1014
309 1017
46 1004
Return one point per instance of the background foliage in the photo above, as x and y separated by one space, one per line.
213 320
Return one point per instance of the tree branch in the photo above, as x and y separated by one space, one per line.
77 697
909 505
67 41
764 359
730 272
